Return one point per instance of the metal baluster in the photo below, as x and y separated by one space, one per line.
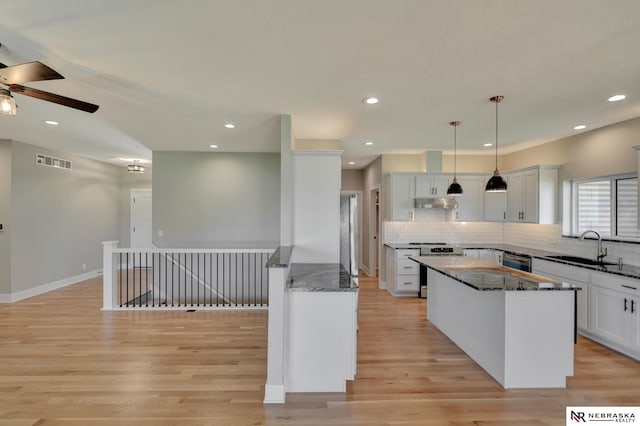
217 278
121 281
211 279
127 299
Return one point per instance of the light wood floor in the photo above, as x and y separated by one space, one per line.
64 362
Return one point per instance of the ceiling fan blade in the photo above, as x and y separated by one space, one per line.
51 97
31 71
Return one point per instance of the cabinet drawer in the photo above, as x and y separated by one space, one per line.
408 283
616 282
404 253
407 267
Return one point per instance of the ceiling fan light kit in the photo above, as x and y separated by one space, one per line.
496 183
13 76
7 103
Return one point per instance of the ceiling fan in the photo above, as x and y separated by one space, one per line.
13 76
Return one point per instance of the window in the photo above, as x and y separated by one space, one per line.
607 205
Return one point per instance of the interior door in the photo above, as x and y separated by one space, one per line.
140 231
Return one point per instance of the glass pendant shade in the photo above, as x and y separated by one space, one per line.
496 183
455 189
7 103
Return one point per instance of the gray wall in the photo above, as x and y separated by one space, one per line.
216 200
5 216
129 181
59 217
352 180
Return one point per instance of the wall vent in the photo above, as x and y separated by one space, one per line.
45 160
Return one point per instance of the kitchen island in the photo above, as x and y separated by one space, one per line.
519 327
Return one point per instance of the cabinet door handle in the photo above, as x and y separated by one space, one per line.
504 215
633 306
408 267
625 304
628 286
408 283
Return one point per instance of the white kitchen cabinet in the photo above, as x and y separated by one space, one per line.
609 319
429 185
489 255
532 195
495 205
321 340
614 312
580 277
403 274
400 195
471 203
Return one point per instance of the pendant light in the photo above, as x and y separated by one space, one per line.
455 189
496 183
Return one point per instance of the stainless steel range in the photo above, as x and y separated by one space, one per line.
435 249
440 250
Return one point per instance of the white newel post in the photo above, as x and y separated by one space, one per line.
109 268
274 391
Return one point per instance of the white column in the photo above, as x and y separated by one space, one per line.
316 206
274 391
109 268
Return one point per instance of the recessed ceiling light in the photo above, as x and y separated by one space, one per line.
51 122
213 146
368 143
351 163
487 144
616 98
371 101
579 127
230 126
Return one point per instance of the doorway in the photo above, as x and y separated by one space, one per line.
140 219
374 231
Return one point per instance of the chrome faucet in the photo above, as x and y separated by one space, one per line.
602 252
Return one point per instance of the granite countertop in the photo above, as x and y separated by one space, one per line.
483 275
629 271
321 277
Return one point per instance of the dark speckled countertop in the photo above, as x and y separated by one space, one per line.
320 277
629 271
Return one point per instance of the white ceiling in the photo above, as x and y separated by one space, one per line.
168 74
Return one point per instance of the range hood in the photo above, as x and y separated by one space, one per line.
435 203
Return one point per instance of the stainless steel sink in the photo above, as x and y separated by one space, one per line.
581 260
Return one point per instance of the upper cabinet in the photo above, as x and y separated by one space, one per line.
400 194
532 195
471 203
432 185
495 205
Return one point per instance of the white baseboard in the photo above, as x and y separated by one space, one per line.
274 394
44 288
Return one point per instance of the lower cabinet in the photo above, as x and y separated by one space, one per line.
572 275
614 309
403 274
493 256
607 305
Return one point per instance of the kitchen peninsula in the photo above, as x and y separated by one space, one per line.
519 327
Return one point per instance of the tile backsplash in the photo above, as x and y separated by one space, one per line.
433 226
